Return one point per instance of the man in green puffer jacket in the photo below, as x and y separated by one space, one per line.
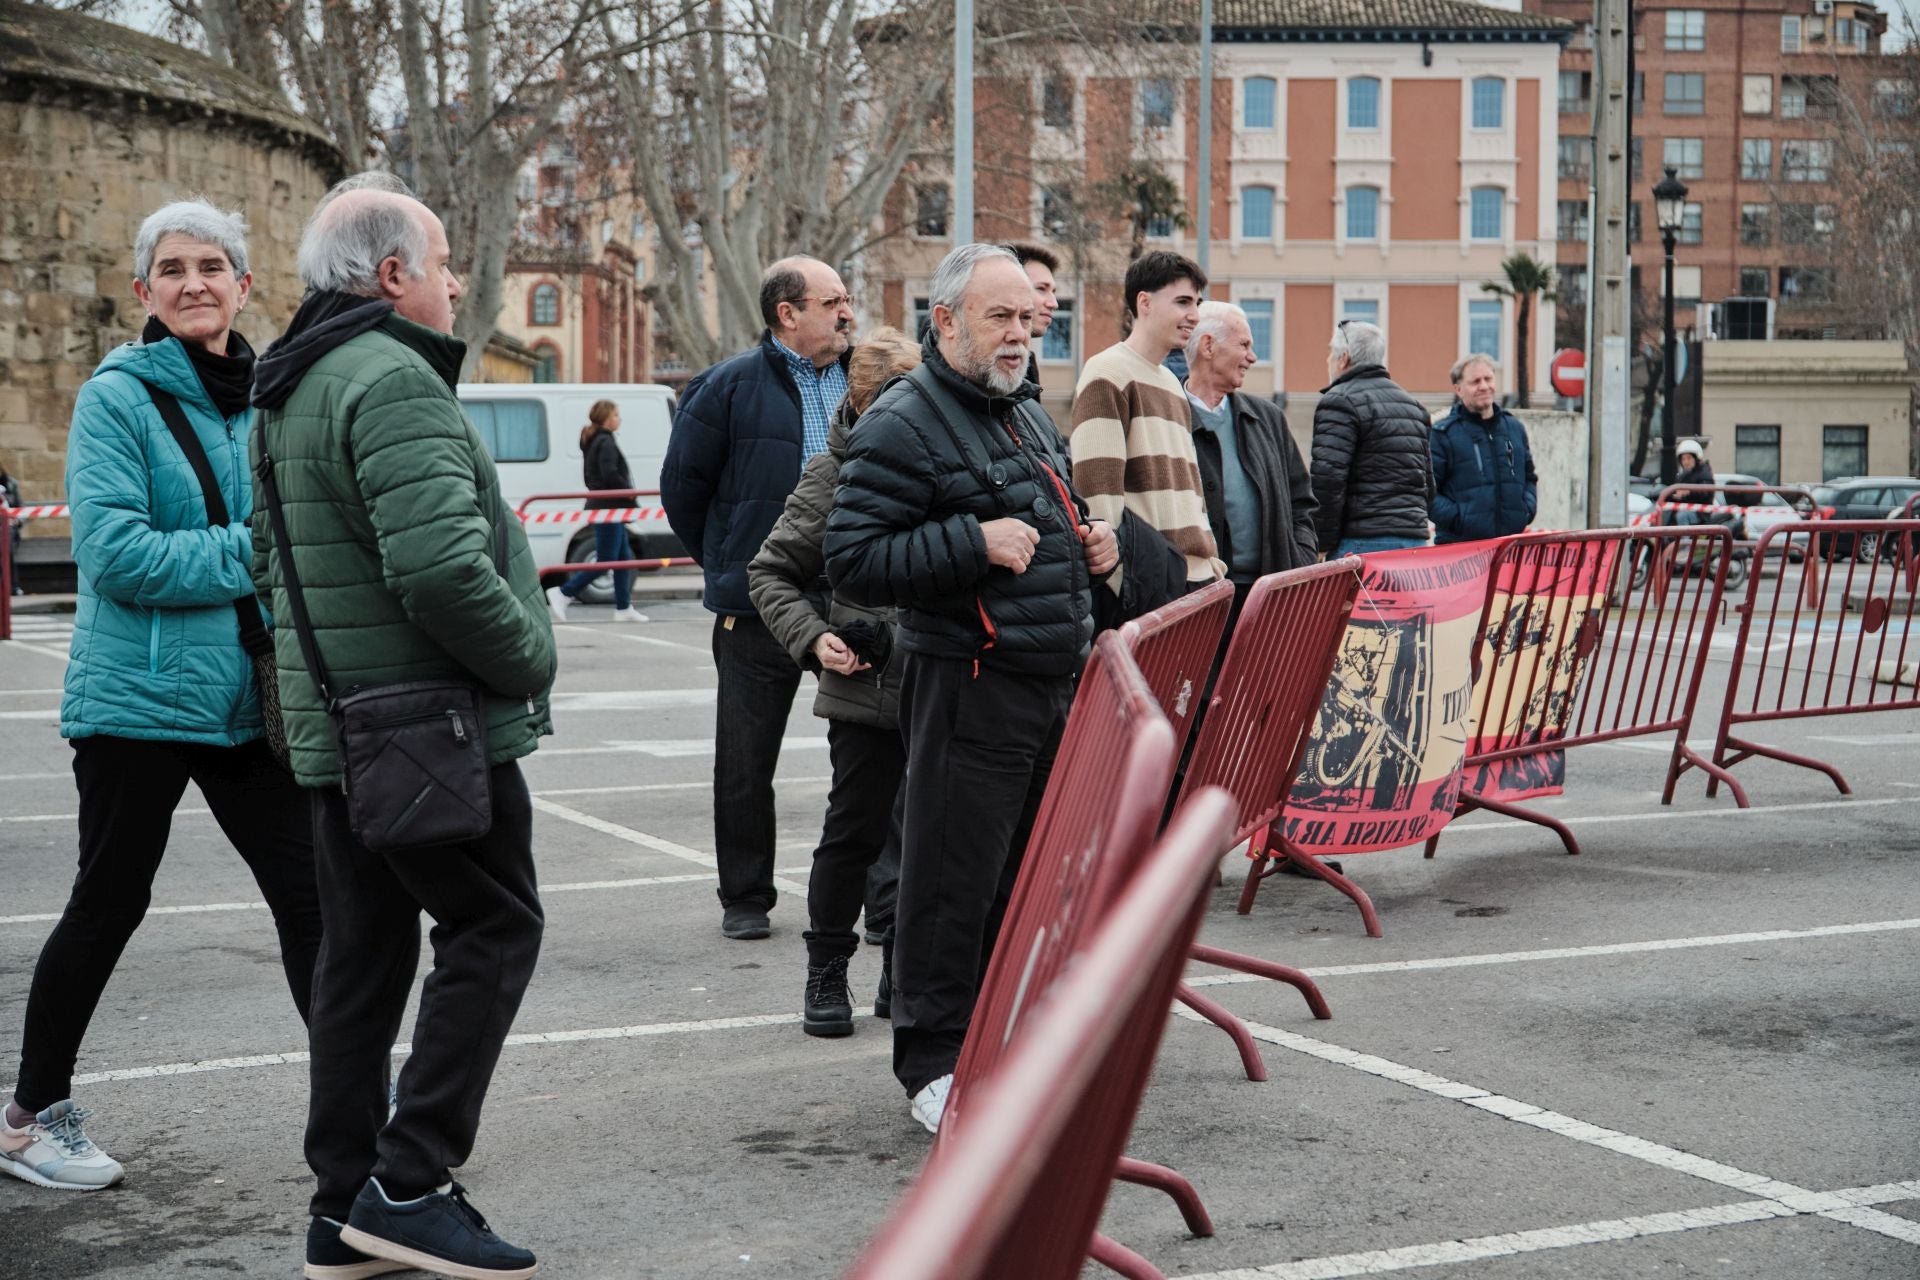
392 507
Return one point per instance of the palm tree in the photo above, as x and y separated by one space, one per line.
1525 277
1142 194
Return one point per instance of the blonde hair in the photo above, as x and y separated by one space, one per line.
884 355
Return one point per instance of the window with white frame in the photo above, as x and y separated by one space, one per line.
1756 159
1363 103
1489 103
1686 94
1486 213
1689 224
1156 103
1790 33
1056 101
1258 95
1365 310
1576 158
1570 226
1803 161
1756 95
1256 213
1363 213
1687 157
1057 342
1483 328
1686 30
1260 322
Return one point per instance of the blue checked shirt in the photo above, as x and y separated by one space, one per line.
821 391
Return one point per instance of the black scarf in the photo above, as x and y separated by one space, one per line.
228 378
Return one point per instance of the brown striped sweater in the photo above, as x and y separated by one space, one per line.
1132 441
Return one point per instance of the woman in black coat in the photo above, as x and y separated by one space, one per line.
605 467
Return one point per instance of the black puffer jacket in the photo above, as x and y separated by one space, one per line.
605 467
1372 471
905 527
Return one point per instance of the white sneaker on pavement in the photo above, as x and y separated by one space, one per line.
558 602
930 1104
52 1150
629 614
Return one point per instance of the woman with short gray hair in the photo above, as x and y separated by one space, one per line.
160 687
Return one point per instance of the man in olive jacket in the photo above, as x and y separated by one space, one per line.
392 509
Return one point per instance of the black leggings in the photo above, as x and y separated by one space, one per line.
129 789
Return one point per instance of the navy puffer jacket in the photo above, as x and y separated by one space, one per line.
1483 478
905 529
735 454
1372 475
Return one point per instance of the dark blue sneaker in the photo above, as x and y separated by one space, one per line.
439 1232
328 1259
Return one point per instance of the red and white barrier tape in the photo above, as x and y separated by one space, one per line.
614 515
46 511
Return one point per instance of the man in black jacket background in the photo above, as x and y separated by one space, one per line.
1372 471
1259 497
954 505
744 429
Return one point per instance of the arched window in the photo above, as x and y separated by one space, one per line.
1363 213
1256 213
546 361
1257 95
1487 213
1363 103
545 305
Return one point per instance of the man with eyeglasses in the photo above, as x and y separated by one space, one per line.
743 431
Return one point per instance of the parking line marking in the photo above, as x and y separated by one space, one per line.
34 777
1668 814
74 817
704 784
31 693
641 838
34 648
1572 953
51 713
1508 1244
703 651
1796 1199
675 748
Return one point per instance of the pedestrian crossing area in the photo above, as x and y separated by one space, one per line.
44 631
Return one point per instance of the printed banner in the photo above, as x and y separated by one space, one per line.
1543 624
1382 768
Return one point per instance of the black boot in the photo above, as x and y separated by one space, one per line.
883 998
829 1004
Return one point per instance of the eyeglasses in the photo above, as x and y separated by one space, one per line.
833 303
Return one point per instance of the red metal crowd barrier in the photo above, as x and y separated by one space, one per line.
1018 1190
1257 722
1588 645
1096 822
32 511
622 515
1793 660
1176 648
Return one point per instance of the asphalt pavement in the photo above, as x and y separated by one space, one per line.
1692 1050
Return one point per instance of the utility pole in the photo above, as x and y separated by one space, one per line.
1609 275
963 122
1203 224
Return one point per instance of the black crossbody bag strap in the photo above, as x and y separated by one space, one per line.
290 573
253 631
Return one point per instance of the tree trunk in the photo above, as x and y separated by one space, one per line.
1523 380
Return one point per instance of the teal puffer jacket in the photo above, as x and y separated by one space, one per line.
156 644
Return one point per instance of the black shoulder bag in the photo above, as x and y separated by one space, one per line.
413 754
254 637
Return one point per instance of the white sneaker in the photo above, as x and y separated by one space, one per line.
930 1104
558 603
629 614
52 1150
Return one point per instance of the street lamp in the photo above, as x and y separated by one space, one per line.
1670 207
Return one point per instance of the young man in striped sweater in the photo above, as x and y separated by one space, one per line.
1132 433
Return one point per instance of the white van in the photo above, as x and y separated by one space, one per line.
533 431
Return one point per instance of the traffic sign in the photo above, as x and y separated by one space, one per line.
1568 372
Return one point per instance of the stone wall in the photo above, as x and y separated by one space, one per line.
103 126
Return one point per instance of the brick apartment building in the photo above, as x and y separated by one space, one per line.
1373 159
1740 97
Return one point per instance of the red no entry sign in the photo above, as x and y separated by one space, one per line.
1568 372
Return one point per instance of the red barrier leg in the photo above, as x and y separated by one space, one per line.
1684 758
1262 867
1143 1173
1121 1260
1218 1015
1307 862
1748 750
1501 807
1264 969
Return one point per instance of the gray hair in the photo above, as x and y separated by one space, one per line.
1466 362
955 272
344 246
1214 317
368 180
1360 342
197 220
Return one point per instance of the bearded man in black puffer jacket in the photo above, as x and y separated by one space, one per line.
1372 466
954 505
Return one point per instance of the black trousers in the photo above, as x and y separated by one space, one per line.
868 764
758 682
129 789
979 749
487 923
